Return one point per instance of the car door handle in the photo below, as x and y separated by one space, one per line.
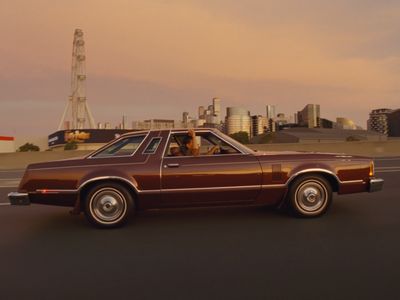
171 166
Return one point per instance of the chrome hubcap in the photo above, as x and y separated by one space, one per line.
108 205
311 196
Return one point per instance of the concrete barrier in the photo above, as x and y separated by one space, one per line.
19 160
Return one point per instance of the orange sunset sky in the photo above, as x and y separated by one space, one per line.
156 59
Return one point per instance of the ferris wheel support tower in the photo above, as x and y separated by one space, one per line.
77 110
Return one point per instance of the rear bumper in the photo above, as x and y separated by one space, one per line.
375 185
16 198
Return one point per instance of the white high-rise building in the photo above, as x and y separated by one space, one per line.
258 125
270 112
237 119
217 110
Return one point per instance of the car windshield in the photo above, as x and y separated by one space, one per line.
235 143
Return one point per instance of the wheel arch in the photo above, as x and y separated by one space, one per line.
331 177
87 185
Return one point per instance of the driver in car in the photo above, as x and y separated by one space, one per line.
190 147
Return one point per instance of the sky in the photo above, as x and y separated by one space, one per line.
156 59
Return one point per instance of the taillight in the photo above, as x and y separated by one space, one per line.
371 169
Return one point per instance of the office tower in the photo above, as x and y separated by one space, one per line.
237 119
185 119
258 125
379 120
309 116
270 112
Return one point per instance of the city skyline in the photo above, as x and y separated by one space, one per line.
248 54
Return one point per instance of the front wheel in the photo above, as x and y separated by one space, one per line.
108 205
310 196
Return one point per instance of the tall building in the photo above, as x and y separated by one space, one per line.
270 112
378 120
217 110
211 115
258 125
271 125
201 112
309 116
270 117
280 121
124 123
296 118
185 119
237 119
394 123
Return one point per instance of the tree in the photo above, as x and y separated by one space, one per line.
27 147
352 138
241 137
71 145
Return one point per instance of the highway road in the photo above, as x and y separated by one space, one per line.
353 252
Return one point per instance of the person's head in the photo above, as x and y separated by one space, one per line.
175 151
188 141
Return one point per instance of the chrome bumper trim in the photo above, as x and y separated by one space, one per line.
375 185
16 198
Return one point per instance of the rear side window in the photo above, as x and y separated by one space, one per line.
152 146
123 147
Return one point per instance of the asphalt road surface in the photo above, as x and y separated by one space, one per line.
353 252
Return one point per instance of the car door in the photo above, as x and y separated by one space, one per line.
210 179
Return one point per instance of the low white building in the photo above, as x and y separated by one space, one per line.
7 144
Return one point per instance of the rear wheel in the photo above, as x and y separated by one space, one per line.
108 205
310 196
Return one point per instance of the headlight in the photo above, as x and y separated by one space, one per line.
371 169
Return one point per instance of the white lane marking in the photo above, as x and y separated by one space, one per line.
4 204
388 171
384 168
9 183
383 159
12 170
8 179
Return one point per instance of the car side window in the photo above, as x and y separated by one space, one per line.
205 140
152 146
123 147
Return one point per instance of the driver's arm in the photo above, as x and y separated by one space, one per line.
213 150
195 147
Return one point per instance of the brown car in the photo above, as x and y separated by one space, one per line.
140 170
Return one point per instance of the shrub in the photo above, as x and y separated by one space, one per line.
27 147
241 137
72 145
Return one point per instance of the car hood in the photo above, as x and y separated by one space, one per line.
308 155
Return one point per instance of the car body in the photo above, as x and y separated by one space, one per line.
137 171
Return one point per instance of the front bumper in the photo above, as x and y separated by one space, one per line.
16 198
375 185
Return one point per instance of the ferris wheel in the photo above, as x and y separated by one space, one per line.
77 114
